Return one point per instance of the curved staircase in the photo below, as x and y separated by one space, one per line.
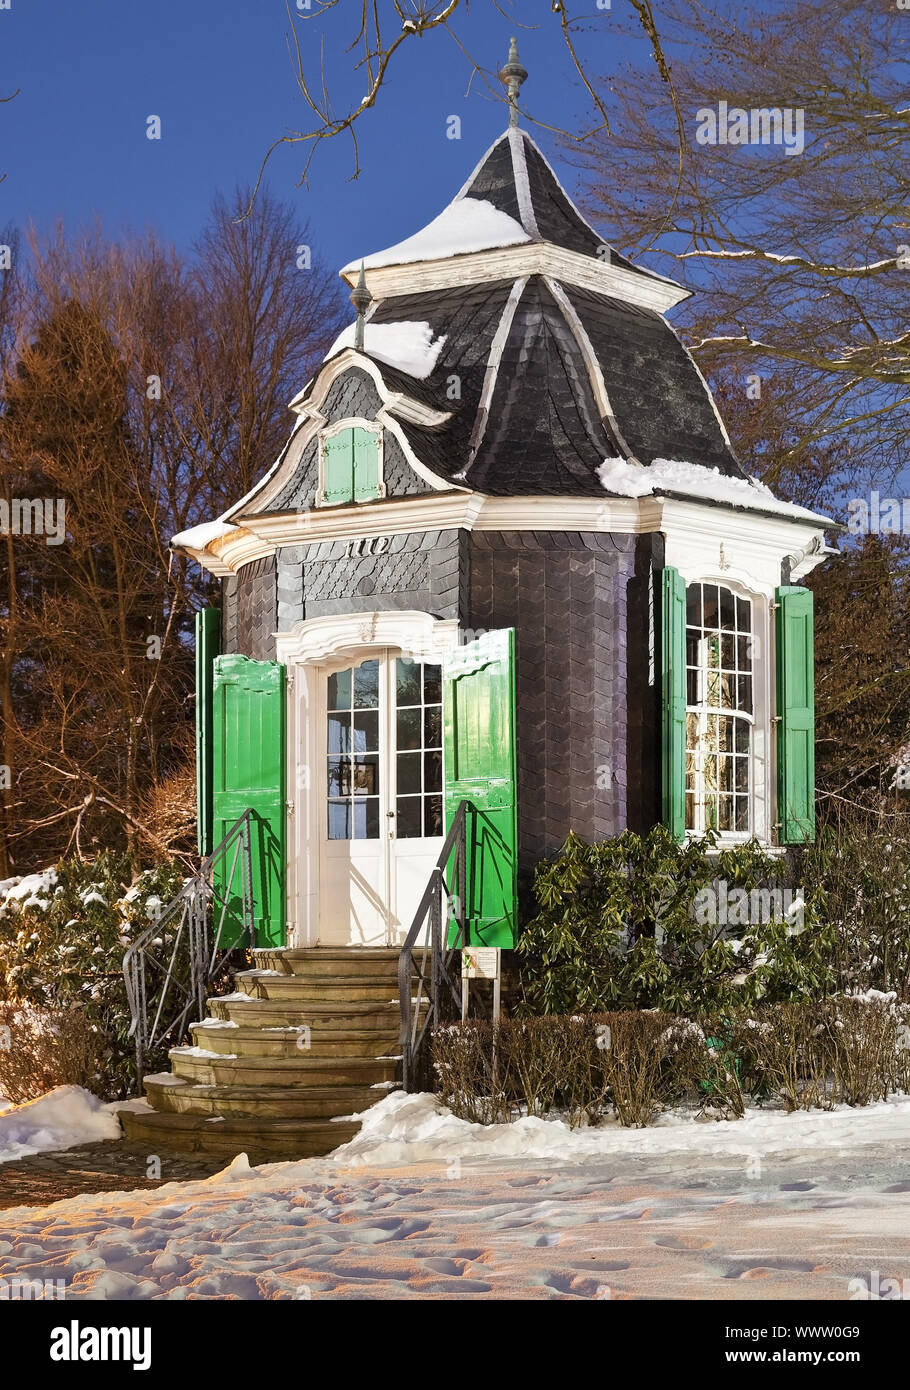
278 1068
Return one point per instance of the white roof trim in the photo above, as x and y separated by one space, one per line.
512 262
594 370
263 533
492 372
522 183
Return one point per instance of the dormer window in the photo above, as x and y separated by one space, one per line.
351 464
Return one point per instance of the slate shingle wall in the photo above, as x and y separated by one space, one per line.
587 700
421 570
249 608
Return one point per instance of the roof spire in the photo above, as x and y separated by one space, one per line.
361 300
511 77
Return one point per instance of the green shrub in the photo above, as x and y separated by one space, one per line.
62 947
620 926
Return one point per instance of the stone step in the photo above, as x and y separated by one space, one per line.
330 962
259 984
262 1140
282 1071
249 1010
301 1040
172 1096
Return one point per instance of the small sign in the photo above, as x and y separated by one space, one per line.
480 962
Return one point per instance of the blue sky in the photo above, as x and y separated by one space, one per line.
73 143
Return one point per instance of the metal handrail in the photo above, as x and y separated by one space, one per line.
436 990
186 970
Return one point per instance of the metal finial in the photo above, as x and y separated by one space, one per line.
511 77
361 300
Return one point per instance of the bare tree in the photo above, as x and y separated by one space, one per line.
381 36
801 251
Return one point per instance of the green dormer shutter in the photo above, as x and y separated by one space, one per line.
673 702
795 715
351 466
338 465
366 464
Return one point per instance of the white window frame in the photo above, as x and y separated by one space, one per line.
704 711
328 432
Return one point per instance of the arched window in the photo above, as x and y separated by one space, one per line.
720 710
351 466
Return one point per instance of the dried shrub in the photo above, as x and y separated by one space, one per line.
852 1050
44 1048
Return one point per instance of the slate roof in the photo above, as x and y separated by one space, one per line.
551 378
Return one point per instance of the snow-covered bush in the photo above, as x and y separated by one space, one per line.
63 934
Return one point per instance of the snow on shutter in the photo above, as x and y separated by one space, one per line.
673 702
366 465
208 645
795 715
338 467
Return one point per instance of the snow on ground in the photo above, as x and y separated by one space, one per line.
628 479
418 1129
808 1204
62 1118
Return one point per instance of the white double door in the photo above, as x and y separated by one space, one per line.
379 788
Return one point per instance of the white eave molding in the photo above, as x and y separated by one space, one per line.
699 535
513 262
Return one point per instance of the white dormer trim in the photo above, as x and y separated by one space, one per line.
312 423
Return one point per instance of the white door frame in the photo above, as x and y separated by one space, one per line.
302 650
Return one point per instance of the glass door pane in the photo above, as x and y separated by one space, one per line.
352 744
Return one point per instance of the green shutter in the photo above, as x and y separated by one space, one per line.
338 467
366 465
249 771
673 709
480 767
795 716
208 645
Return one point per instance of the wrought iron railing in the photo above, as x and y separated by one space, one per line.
171 968
429 989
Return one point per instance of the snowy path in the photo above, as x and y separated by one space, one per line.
802 1221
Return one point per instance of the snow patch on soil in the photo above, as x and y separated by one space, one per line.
62 1118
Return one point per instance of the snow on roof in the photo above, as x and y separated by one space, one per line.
198 537
407 345
627 479
467 224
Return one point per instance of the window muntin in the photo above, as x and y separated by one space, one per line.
354 770
353 753
418 744
719 710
